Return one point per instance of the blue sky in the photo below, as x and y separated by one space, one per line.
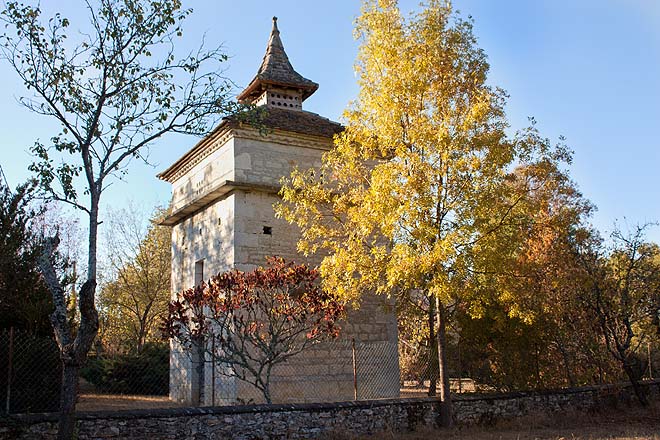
585 69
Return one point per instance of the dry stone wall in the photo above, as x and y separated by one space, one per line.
309 421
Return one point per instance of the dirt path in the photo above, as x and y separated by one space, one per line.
116 402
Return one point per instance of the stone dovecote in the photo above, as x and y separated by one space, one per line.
223 191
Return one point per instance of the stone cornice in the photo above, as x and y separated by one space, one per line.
216 193
287 138
212 142
223 133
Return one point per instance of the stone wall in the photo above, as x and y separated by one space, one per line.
316 420
266 159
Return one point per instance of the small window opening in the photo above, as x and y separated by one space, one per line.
199 272
268 230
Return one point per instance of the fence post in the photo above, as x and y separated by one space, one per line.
648 348
460 367
9 368
355 393
212 372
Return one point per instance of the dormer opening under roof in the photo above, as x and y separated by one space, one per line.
277 84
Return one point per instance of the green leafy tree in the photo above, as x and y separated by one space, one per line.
419 183
114 87
24 300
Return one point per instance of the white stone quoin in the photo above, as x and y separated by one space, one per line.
223 191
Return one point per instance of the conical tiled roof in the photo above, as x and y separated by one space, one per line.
277 70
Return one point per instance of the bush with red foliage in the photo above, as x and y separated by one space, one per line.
253 321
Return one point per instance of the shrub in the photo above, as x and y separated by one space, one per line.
146 372
36 373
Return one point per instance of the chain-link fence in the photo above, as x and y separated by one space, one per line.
126 380
30 373
418 365
159 376
326 372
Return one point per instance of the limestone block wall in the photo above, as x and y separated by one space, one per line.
266 159
208 173
239 231
324 373
246 156
253 242
206 238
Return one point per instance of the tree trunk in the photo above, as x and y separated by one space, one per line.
93 235
432 367
68 395
266 384
567 365
74 356
446 416
142 337
637 388
73 352
537 366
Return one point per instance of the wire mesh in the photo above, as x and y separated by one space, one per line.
418 365
326 372
30 373
165 375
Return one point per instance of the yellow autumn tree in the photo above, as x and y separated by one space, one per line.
422 178
134 300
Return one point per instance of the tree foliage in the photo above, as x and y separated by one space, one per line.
114 87
134 301
578 309
146 372
621 289
422 179
254 321
115 91
24 300
531 290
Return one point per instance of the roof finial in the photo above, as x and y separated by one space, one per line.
276 70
